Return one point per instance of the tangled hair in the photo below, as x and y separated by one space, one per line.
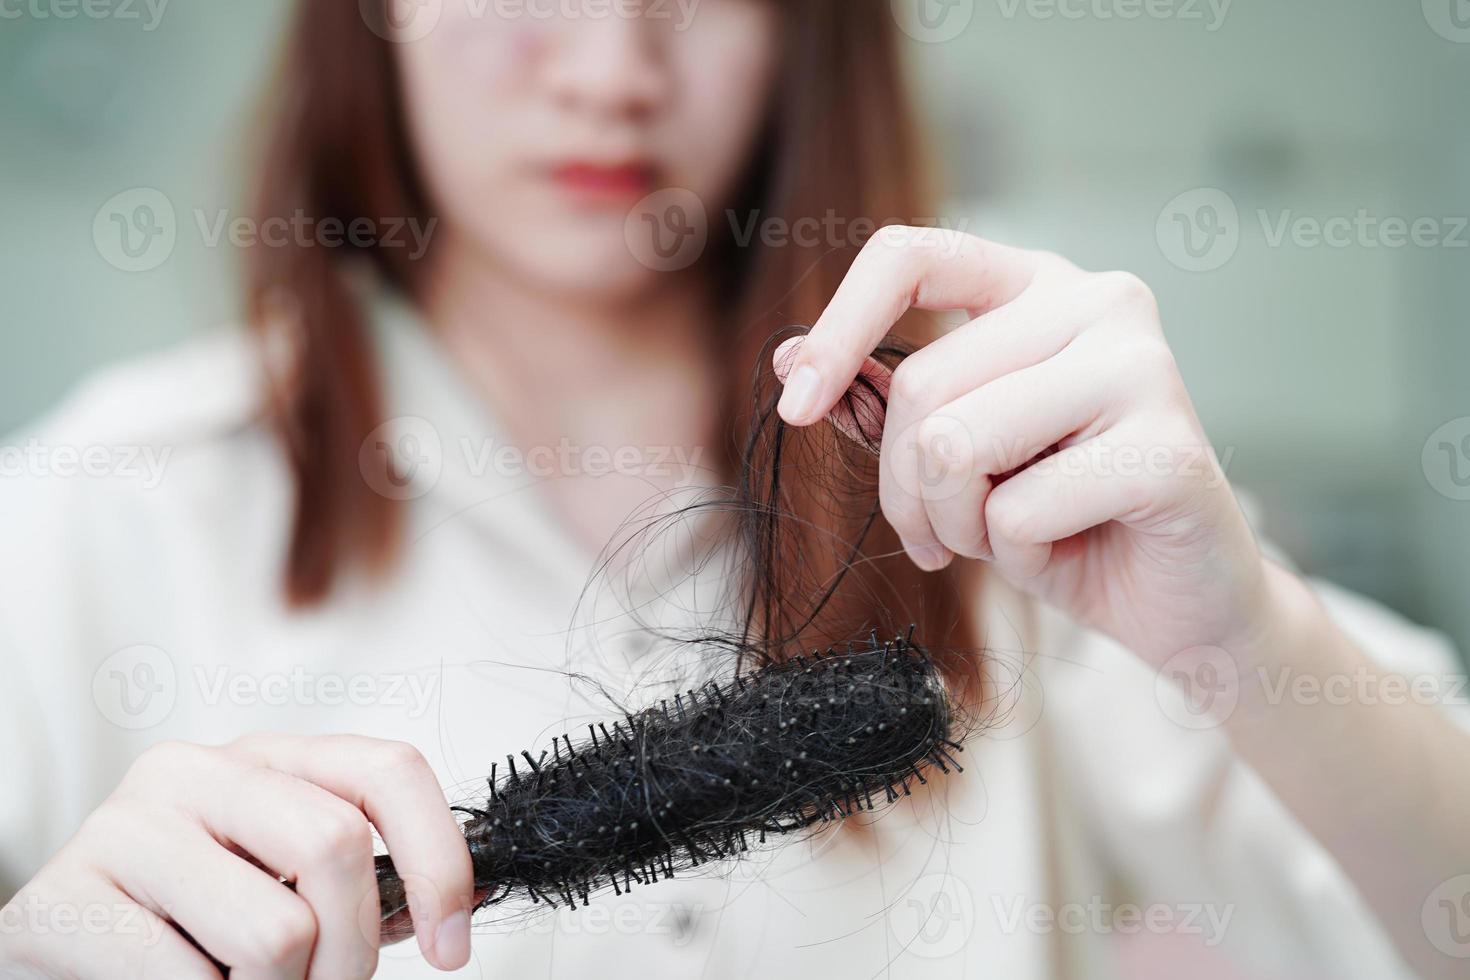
774 751
787 742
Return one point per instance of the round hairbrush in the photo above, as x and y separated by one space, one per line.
698 778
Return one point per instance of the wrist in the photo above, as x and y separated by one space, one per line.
1291 616
1291 638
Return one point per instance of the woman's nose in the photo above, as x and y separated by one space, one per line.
611 65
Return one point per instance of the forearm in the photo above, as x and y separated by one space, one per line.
1378 777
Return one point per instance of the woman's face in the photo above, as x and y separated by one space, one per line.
542 127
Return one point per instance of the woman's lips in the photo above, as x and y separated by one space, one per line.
605 183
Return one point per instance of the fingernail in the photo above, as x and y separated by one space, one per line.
452 941
929 557
785 354
799 399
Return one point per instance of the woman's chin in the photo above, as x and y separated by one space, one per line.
590 274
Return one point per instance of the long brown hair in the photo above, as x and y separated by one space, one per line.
838 142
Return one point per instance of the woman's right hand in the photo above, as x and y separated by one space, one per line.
195 842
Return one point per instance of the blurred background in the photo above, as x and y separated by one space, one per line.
1293 179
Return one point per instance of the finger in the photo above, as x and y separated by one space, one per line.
393 784
316 840
237 913
899 269
1113 477
1026 332
861 413
1036 326
117 939
985 435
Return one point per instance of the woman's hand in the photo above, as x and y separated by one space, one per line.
1051 435
194 841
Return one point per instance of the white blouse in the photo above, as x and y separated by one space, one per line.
1096 832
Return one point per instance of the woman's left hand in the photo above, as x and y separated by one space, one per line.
1129 525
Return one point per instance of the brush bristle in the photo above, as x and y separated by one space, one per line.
693 780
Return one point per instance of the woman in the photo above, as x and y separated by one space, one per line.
340 546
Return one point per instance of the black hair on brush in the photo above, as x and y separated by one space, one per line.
703 775
783 744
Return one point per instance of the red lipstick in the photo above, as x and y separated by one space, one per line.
595 182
